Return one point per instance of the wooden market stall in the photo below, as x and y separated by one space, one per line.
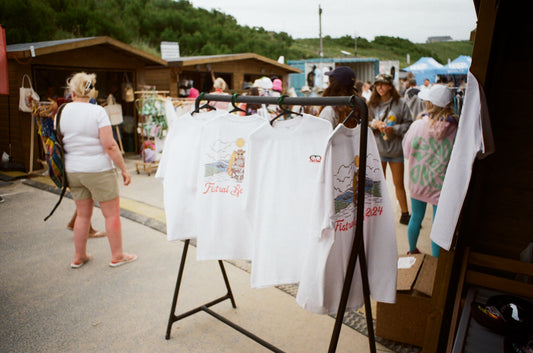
49 64
235 69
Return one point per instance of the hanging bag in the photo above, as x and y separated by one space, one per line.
127 90
113 110
27 96
55 157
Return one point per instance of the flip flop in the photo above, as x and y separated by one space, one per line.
127 259
97 234
80 264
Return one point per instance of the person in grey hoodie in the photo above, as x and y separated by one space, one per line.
427 146
390 120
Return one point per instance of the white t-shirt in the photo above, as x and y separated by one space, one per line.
334 219
223 230
178 170
170 112
474 135
282 167
79 125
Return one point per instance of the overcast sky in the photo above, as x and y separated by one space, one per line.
415 20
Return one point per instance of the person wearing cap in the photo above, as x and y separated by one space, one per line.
390 120
341 83
427 146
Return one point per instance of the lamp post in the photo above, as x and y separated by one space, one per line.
321 52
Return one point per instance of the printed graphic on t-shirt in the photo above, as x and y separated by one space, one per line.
430 161
345 182
224 169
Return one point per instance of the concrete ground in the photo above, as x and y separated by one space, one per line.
48 307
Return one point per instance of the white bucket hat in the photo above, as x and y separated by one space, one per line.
263 82
439 95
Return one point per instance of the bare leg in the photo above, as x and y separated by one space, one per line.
384 167
70 225
397 170
84 211
111 211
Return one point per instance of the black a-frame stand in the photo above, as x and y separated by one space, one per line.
205 308
358 247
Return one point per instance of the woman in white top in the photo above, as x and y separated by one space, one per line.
91 154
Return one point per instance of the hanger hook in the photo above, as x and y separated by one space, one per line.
280 100
197 102
352 101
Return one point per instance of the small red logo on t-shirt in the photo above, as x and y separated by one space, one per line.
314 158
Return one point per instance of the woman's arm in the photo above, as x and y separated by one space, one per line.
113 151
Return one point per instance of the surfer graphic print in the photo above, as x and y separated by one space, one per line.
334 223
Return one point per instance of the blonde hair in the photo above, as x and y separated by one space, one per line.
440 113
220 84
82 84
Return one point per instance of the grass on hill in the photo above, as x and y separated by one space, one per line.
308 48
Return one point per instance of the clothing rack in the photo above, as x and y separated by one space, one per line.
357 245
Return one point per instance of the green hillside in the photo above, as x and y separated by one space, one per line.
383 48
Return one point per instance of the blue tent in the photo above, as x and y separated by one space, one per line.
459 66
425 67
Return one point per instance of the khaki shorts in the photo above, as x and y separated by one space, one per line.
100 186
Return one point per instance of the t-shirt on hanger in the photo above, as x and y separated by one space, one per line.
178 170
282 168
223 230
334 219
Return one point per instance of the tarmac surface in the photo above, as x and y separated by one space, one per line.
46 306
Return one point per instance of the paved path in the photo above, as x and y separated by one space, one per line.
46 306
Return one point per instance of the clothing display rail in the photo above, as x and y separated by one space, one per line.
352 101
357 250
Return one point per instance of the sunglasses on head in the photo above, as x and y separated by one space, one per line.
88 86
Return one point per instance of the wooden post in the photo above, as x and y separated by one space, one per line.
32 137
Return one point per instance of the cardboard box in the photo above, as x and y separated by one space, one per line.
405 321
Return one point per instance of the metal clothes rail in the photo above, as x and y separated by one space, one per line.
358 242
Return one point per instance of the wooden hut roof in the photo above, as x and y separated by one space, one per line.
207 59
24 50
